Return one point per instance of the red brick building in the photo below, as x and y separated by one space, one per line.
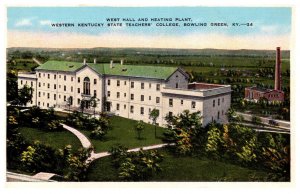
255 93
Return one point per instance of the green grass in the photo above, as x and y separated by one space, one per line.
182 169
123 133
56 140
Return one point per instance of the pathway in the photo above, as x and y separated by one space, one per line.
83 139
87 144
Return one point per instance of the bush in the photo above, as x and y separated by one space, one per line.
98 134
135 166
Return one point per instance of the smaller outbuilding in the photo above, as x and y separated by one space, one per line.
255 93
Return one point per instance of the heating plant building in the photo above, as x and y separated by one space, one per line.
130 91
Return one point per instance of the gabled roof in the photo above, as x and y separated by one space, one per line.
143 71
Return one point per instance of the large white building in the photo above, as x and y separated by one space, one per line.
130 91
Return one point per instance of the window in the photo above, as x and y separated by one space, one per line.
39 94
132 85
59 86
39 103
59 96
118 106
118 94
149 98
222 99
132 96
181 102
65 77
43 75
118 82
39 74
95 81
157 100
142 110
78 90
142 85
54 86
65 98
108 82
170 114
31 83
124 94
47 104
176 85
108 93
131 109
158 87
48 76
149 85
48 95
71 88
71 79
65 88
218 114
170 102
55 76
218 101
21 82
125 83
193 104
59 76
78 80
95 93
54 96
78 101
124 106
214 102
43 84
142 98
86 86
48 85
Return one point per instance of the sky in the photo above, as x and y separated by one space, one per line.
32 27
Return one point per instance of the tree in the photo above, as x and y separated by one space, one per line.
82 105
256 120
94 101
69 102
139 127
24 96
154 115
135 166
12 86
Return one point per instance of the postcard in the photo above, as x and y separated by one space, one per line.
149 94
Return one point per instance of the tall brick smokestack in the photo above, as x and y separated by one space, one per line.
277 85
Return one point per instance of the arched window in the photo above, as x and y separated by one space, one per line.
86 86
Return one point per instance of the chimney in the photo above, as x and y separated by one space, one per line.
84 61
277 85
111 64
95 60
121 61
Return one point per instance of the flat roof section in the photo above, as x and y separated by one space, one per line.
203 86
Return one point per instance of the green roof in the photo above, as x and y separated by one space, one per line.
145 71
60 66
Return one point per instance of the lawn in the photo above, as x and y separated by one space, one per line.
123 133
56 140
182 169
